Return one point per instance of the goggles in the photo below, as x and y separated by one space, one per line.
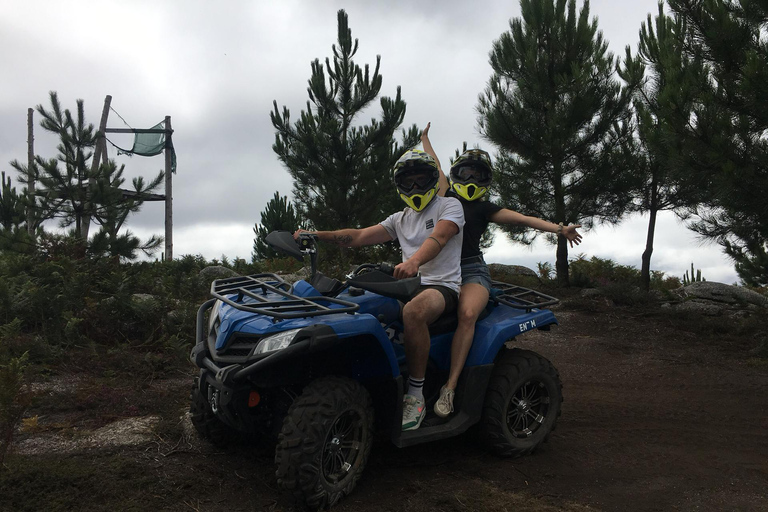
469 172
419 180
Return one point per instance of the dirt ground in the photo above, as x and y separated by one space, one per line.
659 415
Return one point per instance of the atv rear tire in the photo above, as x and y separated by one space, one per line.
205 421
326 438
522 403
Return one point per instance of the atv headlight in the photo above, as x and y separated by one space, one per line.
214 315
275 342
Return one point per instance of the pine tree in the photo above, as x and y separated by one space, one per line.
341 170
278 215
725 151
62 193
69 190
560 120
13 232
112 208
664 101
12 212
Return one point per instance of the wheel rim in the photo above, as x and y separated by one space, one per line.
527 409
342 446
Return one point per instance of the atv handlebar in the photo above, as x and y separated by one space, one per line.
383 267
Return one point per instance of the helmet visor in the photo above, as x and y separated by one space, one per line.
467 173
415 180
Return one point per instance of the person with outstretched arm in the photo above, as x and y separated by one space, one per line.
471 175
430 233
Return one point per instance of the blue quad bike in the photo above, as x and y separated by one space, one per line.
318 366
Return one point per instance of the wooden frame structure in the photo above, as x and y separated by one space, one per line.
100 152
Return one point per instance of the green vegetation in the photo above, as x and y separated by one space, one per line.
695 277
72 189
278 215
561 128
663 100
620 283
722 148
341 169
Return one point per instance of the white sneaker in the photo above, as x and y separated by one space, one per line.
444 404
414 410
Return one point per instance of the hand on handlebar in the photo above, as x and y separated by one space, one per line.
299 232
406 269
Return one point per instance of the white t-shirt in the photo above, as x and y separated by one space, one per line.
411 229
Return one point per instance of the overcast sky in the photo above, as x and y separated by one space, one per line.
216 68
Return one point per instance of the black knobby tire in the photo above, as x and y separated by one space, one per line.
326 438
205 421
522 403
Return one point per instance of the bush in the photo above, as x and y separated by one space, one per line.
598 272
601 273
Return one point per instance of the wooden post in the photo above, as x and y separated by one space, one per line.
99 151
30 173
168 190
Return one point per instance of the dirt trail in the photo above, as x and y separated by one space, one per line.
654 419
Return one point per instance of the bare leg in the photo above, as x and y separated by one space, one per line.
421 311
472 301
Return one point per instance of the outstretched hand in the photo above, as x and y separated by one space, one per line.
570 233
425 133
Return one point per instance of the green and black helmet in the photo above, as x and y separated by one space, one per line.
415 175
471 174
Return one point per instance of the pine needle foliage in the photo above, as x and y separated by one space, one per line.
560 120
341 169
70 190
725 148
278 215
664 102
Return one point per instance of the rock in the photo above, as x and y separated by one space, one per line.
513 270
590 292
302 273
715 299
724 293
143 298
700 307
214 272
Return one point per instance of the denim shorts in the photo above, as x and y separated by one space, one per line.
476 273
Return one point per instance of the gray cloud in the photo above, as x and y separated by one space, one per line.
217 67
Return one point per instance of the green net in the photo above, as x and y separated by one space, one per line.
150 144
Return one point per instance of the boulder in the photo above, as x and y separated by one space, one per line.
143 298
498 269
724 293
715 299
214 272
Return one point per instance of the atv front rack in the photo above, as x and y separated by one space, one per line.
519 297
234 290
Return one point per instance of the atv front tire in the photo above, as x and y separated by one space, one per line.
325 441
205 421
522 403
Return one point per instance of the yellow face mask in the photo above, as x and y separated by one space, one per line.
470 191
419 201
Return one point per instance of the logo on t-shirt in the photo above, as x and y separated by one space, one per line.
430 223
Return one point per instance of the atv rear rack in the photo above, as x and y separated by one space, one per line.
519 297
233 290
